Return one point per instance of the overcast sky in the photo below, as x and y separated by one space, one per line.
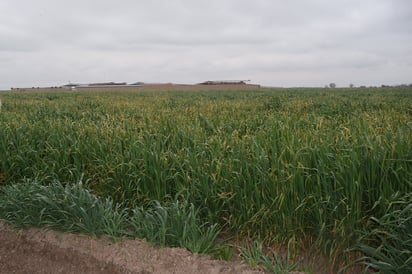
271 42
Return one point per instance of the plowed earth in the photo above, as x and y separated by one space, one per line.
38 251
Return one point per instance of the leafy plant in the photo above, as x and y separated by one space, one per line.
224 252
70 208
174 224
387 246
254 255
73 208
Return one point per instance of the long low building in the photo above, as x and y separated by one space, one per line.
208 85
225 82
216 85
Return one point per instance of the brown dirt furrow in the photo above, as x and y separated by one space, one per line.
38 251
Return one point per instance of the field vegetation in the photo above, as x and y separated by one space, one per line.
321 171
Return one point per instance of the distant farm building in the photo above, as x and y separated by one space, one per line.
225 82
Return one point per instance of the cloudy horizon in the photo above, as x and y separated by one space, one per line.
273 43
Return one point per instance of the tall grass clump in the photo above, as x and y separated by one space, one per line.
69 207
387 242
255 255
174 224
73 208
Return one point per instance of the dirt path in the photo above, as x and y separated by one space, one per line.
38 251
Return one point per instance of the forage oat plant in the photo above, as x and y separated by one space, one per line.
307 164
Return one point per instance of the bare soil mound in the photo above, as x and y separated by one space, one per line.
38 251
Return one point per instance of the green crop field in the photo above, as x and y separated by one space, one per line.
324 170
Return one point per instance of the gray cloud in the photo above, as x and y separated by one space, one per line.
287 43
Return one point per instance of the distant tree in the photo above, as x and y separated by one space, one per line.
351 85
332 85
